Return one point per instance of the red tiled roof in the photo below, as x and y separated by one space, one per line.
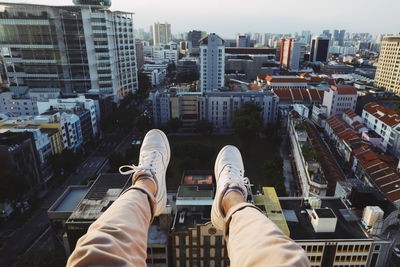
298 95
254 87
350 113
357 125
379 173
386 115
277 79
345 89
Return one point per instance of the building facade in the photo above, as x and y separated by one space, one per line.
319 49
215 107
212 63
68 48
340 98
386 123
161 33
388 71
292 53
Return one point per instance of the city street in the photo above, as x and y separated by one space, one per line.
38 223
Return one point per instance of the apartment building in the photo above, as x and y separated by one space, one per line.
386 123
215 107
325 228
161 33
212 63
388 71
339 98
194 240
68 48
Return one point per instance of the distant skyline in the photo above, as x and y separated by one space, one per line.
229 17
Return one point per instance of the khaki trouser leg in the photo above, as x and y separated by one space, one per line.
254 240
119 236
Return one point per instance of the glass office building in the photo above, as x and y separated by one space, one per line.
68 48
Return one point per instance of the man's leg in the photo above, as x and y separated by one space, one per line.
119 236
254 240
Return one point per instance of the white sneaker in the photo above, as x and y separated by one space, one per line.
229 173
153 162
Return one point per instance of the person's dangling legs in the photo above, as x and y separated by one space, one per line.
119 236
252 239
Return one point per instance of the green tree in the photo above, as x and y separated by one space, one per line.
174 124
248 121
13 186
115 159
204 127
187 76
144 85
143 123
170 69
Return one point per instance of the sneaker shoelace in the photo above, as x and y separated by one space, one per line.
236 177
146 163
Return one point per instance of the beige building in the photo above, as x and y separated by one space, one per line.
161 33
388 71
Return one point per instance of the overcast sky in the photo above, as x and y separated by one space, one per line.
228 17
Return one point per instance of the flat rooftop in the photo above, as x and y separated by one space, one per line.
195 191
188 218
299 222
104 191
71 199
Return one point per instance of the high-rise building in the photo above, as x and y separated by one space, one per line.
212 62
68 48
193 42
242 40
341 36
291 54
161 33
388 71
327 34
319 49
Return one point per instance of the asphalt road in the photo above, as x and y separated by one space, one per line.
21 239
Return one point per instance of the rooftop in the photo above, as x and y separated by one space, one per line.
300 226
104 191
386 115
344 89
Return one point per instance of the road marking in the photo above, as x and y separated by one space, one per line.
37 239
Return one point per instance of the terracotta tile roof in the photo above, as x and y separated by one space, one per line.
386 115
297 96
379 172
357 125
254 87
283 94
316 95
349 113
278 79
345 89
305 94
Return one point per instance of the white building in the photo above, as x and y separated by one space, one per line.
215 107
164 53
386 123
292 53
15 105
339 98
212 63
70 104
